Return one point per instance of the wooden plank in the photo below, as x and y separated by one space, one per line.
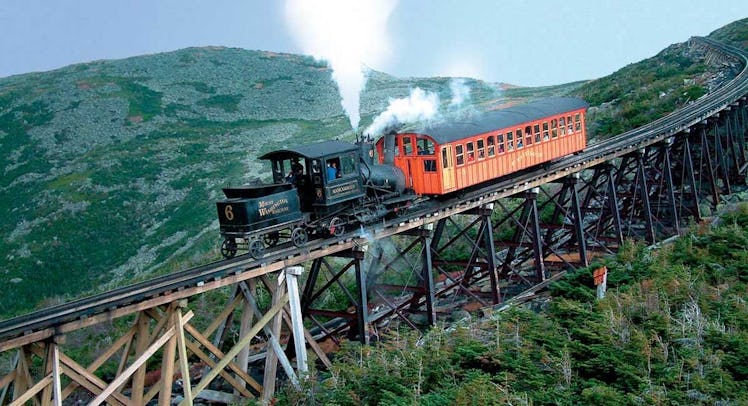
242 359
26 339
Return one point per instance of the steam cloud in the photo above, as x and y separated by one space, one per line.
460 91
419 106
344 33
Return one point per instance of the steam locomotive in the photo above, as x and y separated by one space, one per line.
323 189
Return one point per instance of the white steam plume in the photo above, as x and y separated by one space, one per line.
419 106
460 91
345 33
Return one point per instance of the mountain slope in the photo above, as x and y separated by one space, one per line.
111 168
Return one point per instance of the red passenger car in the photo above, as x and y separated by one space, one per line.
450 156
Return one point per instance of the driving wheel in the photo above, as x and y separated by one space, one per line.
299 236
228 248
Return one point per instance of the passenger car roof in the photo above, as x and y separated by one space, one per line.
316 150
445 132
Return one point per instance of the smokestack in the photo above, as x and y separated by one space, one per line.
389 145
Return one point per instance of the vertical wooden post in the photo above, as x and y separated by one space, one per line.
184 365
21 383
167 363
141 345
294 301
242 359
56 372
271 359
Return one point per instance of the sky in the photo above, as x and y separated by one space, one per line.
528 43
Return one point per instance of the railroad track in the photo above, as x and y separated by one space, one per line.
49 321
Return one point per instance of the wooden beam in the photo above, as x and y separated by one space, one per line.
101 360
29 394
222 316
140 361
56 372
183 361
238 346
87 379
195 348
142 343
294 302
219 354
271 359
167 369
273 339
95 385
6 380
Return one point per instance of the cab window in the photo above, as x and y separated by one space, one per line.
347 166
407 146
425 147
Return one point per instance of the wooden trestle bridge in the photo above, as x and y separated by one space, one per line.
644 184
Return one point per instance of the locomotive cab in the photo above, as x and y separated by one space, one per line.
330 174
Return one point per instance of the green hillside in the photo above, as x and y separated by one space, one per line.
110 168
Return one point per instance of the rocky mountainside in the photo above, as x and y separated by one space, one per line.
110 169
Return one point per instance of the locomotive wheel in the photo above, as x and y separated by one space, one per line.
256 249
271 239
337 226
228 248
299 237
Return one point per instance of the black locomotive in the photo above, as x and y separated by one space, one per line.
318 189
